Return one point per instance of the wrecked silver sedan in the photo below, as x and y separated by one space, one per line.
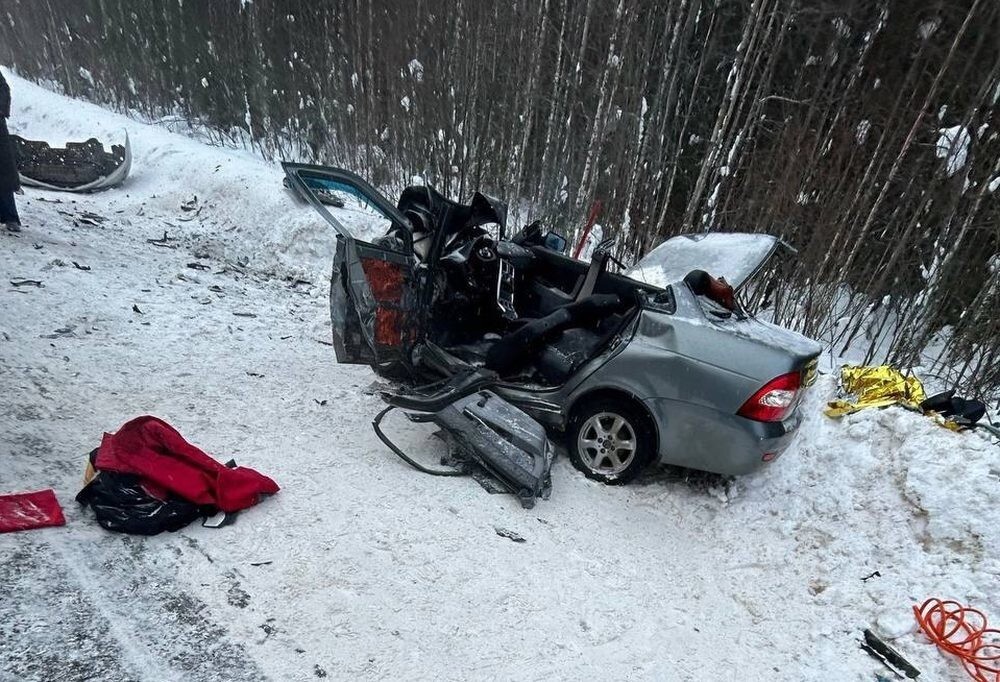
658 363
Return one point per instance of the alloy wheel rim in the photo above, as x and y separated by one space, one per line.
606 443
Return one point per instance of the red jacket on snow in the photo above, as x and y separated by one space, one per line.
155 451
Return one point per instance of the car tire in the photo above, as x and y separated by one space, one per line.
610 440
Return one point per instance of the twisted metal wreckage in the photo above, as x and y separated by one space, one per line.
502 341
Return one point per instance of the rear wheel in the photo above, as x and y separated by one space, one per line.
611 440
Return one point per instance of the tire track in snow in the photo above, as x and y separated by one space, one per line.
95 607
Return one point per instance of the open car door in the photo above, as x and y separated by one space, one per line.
735 256
372 288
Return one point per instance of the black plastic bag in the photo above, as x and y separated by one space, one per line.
121 504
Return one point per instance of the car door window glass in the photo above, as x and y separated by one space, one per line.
362 217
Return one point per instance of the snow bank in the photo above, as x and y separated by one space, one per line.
242 213
892 491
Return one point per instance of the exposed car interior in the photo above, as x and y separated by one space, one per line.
511 305
514 306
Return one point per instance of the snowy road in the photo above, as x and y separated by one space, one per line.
363 568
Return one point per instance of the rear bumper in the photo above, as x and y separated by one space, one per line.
703 438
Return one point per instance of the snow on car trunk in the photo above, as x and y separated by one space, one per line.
735 256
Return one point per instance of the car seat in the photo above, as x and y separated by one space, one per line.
522 346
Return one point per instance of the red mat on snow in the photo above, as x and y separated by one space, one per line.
24 511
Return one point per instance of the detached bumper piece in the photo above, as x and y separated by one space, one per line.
77 167
486 432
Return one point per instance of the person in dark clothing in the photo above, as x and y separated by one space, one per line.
9 182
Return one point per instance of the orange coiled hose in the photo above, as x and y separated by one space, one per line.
963 632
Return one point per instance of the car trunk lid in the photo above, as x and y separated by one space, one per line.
735 256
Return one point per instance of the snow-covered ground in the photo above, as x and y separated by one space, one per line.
363 568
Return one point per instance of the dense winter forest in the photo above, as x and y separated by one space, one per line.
865 132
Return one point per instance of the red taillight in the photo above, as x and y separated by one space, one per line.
775 400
